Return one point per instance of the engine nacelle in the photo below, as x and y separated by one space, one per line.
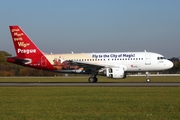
115 73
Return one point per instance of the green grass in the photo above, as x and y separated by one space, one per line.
95 103
85 79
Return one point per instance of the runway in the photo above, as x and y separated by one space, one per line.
31 84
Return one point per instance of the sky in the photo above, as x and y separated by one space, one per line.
62 26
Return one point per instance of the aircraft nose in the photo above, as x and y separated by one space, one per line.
170 64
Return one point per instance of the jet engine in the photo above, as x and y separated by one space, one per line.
115 73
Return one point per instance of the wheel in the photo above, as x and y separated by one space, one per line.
148 80
93 79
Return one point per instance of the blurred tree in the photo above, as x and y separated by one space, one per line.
9 69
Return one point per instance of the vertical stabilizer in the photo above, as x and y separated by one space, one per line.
24 47
28 54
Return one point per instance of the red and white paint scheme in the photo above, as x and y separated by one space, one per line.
111 65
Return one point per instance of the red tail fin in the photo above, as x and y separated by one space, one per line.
28 54
25 48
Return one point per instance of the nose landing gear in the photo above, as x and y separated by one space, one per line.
147 77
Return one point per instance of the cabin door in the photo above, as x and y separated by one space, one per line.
43 61
147 59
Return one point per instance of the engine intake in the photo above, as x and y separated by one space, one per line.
115 73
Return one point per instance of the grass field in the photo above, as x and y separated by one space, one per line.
89 103
115 103
85 79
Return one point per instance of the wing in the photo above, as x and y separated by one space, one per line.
89 65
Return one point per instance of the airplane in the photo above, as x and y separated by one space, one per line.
109 64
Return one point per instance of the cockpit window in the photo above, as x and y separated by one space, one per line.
161 58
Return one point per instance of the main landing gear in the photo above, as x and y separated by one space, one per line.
93 79
147 77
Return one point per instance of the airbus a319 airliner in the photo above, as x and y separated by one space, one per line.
109 64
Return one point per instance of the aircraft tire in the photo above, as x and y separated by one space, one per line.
148 80
93 79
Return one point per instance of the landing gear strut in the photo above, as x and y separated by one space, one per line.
147 77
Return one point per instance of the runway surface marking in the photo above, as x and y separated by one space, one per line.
89 84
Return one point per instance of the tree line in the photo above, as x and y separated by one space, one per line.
9 69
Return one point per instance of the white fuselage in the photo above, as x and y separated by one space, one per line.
130 61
